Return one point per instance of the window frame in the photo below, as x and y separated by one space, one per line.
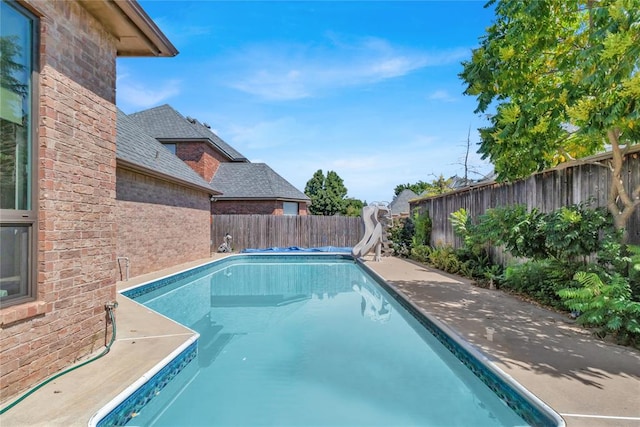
290 203
172 147
28 217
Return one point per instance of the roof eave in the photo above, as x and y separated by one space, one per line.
206 141
134 30
125 164
257 199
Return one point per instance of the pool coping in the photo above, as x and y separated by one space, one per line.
513 391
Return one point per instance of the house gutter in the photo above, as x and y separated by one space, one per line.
257 199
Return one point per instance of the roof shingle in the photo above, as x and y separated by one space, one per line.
165 123
253 181
136 147
400 204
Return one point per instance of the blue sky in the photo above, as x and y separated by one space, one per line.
369 90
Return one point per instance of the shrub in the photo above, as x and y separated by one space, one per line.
605 306
420 253
475 264
444 258
401 236
568 234
539 279
422 229
576 232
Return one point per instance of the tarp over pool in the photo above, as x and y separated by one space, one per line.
299 249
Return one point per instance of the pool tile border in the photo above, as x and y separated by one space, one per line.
147 287
130 402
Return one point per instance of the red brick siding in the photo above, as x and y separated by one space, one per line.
252 207
160 224
201 157
76 190
246 207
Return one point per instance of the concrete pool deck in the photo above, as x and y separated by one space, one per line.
589 382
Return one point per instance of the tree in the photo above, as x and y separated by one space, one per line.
353 207
439 186
436 187
563 79
418 188
327 194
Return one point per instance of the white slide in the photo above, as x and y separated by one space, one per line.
372 232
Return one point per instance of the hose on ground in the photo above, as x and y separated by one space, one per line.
109 307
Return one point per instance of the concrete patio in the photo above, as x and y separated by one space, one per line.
589 382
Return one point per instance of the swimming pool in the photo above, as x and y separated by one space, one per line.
313 340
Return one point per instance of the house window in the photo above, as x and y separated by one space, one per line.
290 208
170 147
17 163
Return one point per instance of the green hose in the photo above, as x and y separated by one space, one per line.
110 309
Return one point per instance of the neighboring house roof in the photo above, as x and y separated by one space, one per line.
166 124
459 182
136 149
400 203
244 181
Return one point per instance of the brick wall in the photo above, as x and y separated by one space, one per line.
246 207
252 207
76 190
201 157
160 224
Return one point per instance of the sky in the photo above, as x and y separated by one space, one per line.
368 89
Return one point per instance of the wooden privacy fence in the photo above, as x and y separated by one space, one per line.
266 231
570 183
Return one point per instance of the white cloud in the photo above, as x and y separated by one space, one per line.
284 131
442 95
294 71
143 95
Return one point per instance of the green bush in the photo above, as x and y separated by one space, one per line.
634 271
444 258
576 232
568 234
401 236
556 246
605 306
617 258
422 229
475 265
538 279
421 253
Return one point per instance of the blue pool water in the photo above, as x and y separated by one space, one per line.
309 341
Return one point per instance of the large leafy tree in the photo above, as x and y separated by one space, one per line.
327 194
561 80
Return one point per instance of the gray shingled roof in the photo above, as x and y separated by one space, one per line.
400 203
253 181
165 123
136 147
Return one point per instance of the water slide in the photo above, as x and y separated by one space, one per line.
372 231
